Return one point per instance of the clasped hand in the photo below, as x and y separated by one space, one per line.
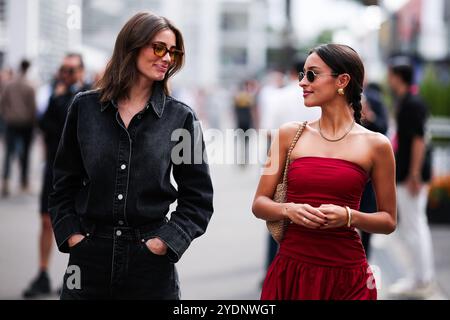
326 216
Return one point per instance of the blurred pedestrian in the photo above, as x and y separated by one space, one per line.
321 255
375 118
291 105
69 82
413 175
244 110
45 92
267 100
18 110
5 76
112 173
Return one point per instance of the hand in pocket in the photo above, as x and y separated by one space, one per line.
75 239
156 246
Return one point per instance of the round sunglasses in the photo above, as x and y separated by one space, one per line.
160 50
311 75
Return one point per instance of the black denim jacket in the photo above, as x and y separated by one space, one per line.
115 176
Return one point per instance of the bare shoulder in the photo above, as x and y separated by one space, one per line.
288 130
377 142
290 126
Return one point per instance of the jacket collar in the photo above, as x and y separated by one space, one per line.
157 101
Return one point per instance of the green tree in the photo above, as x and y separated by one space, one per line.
435 93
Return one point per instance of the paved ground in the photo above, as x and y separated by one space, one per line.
226 263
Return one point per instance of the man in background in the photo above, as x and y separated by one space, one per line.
18 111
413 174
375 118
68 84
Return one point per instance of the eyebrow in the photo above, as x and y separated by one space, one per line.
162 42
313 67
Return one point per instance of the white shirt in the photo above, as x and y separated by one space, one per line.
288 105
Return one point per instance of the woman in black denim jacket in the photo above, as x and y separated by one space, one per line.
112 187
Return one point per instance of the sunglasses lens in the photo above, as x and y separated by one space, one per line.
68 70
301 75
176 55
309 75
159 50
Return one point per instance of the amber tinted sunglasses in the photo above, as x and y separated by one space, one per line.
160 50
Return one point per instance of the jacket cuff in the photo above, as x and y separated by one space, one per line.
176 240
64 229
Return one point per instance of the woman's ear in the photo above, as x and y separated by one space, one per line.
343 80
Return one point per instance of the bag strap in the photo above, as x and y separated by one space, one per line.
291 147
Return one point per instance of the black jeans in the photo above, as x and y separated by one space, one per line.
115 263
15 136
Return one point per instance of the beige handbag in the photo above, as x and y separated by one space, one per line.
277 228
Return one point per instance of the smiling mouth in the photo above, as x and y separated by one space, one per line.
307 93
162 69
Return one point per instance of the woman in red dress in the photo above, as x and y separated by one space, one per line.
321 255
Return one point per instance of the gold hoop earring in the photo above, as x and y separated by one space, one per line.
341 91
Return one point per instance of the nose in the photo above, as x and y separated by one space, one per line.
167 58
303 83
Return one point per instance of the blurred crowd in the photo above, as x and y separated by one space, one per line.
256 103
25 112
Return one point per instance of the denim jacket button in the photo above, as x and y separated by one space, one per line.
123 167
120 197
118 233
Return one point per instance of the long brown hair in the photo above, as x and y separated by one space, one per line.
121 71
344 59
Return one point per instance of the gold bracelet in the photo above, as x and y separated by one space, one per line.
349 215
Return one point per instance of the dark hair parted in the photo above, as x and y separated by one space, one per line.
343 59
121 71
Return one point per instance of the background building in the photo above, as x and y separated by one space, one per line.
224 39
419 28
39 30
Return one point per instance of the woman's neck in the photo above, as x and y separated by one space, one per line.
336 117
141 91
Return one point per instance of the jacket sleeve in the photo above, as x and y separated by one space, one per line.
67 181
195 195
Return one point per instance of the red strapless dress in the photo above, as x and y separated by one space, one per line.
322 264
